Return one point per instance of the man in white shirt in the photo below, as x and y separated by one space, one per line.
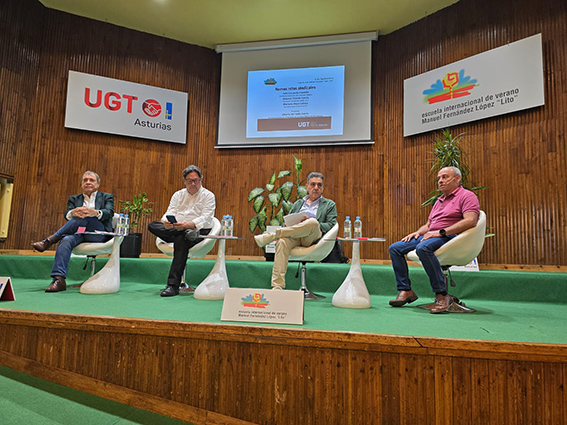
92 210
193 209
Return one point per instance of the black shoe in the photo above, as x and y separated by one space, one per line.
170 291
191 234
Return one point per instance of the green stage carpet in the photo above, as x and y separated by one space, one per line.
28 400
511 306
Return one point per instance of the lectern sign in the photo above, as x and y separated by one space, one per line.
263 305
120 107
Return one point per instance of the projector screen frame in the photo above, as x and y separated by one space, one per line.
358 120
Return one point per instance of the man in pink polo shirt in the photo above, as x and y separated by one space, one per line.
454 212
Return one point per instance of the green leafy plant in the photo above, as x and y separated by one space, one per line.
448 152
136 209
271 208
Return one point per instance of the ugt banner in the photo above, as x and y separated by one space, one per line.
112 106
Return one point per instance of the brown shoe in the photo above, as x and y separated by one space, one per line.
42 245
404 297
442 304
57 285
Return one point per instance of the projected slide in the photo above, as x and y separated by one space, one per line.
295 102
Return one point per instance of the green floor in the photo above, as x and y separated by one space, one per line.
28 400
511 306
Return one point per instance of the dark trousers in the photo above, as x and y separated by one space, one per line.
181 247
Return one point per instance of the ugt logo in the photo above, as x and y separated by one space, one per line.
452 86
151 108
114 102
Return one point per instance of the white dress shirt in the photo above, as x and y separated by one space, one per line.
89 202
198 208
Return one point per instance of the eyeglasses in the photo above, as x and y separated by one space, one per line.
196 181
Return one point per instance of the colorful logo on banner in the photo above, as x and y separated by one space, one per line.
151 108
453 86
270 82
255 301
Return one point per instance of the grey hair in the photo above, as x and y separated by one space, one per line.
91 173
456 172
192 169
315 175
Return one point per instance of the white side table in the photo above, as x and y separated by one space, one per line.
107 280
353 292
215 284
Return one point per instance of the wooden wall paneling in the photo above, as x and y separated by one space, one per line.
21 26
479 391
279 376
463 408
391 387
499 394
553 393
365 401
444 404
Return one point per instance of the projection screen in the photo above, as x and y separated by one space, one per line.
299 92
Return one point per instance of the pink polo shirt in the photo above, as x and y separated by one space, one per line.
449 209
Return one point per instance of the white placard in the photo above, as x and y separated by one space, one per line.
470 267
499 81
120 107
263 305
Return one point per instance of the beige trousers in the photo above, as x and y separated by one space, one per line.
304 234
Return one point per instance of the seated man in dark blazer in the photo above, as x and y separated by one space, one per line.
92 210
321 217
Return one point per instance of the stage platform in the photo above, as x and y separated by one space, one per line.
173 356
511 306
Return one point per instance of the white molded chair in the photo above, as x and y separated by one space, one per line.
198 251
314 253
92 249
459 251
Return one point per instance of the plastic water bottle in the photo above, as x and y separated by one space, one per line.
126 225
229 226
357 227
120 224
223 226
347 229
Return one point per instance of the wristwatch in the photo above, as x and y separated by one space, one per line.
442 232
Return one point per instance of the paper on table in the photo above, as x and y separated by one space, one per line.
295 218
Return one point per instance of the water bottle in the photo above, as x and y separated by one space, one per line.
347 229
120 224
223 226
357 227
126 225
229 226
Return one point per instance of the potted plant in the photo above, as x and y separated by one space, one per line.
132 244
270 209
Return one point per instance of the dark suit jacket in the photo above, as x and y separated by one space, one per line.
103 202
326 213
